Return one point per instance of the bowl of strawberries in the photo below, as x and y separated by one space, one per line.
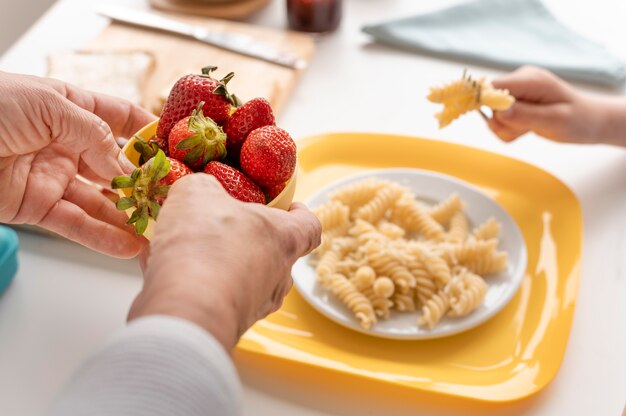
205 128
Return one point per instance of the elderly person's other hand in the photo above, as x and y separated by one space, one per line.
219 262
49 132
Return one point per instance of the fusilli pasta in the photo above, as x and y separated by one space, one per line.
466 293
443 211
383 286
362 308
358 193
487 230
467 94
412 217
383 250
434 309
458 228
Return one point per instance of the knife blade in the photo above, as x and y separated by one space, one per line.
242 44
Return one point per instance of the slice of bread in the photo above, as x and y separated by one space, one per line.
119 73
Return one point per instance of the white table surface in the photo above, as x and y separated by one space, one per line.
66 300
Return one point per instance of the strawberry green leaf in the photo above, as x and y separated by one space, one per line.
208 69
227 78
125 203
157 162
193 155
236 101
136 174
162 190
138 146
133 218
197 112
146 150
158 167
166 168
122 182
155 208
206 158
221 90
142 222
189 143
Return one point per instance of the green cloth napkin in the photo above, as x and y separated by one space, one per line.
505 34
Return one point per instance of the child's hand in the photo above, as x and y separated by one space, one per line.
550 107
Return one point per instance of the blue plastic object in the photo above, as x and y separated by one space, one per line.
8 256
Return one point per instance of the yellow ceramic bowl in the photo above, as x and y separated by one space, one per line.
282 201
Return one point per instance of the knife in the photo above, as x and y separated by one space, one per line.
242 44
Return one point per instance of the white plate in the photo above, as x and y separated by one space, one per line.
430 187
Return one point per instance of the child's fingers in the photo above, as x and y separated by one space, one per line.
534 84
504 132
526 116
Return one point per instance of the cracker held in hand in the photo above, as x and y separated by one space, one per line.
468 94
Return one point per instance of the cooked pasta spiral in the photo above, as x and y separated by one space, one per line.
458 228
412 217
443 211
358 193
466 293
362 308
467 94
487 230
383 251
434 309
375 209
383 286
381 304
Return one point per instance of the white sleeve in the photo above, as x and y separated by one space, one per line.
155 366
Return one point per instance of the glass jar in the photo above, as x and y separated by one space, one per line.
316 16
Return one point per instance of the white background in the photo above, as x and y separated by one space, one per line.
66 300
15 20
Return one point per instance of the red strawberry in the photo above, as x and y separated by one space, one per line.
250 116
275 190
177 170
268 156
196 140
149 186
189 91
236 183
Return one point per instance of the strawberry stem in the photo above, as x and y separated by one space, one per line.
208 141
146 150
208 69
146 190
221 88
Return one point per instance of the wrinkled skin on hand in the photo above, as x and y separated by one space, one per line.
50 132
219 262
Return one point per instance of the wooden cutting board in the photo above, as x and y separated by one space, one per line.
176 56
234 10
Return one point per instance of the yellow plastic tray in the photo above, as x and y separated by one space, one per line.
514 354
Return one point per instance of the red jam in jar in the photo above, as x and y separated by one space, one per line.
317 16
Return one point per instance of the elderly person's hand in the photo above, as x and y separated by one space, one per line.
550 107
51 131
219 262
